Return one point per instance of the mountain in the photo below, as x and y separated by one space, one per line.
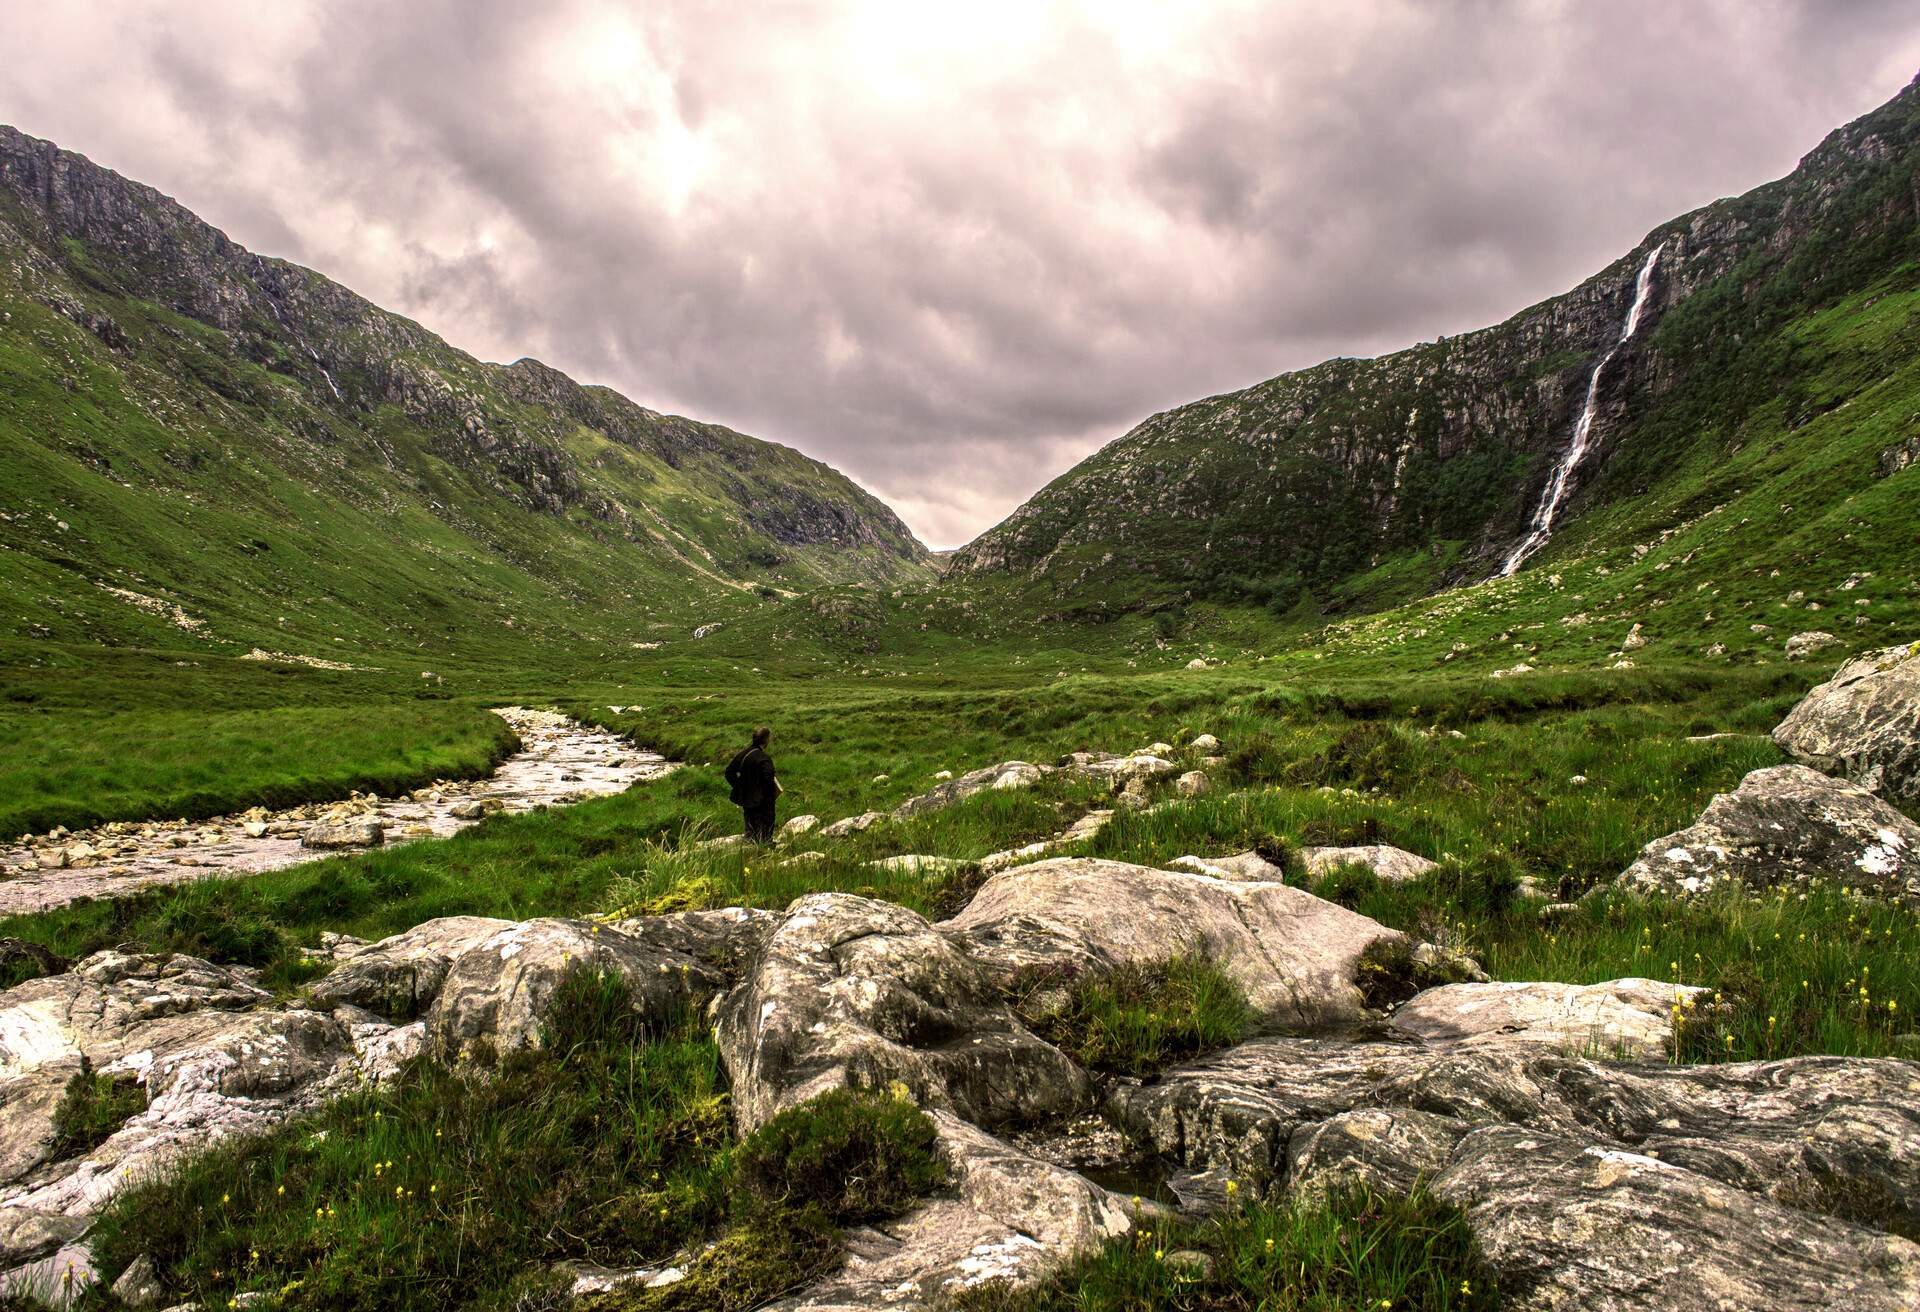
1361 482
202 446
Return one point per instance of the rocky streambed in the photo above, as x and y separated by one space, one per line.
560 761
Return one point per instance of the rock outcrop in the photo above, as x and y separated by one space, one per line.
399 976
1615 1018
1587 1184
211 1056
495 995
1295 955
1007 774
850 992
1787 826
1864 724
1012 1219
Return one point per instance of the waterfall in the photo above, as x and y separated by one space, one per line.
1540 528
302 343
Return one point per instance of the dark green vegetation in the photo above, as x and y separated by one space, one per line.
91 1108
1347 1252
446 1191
1136 1020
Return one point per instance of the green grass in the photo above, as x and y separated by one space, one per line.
437 1190
78 769
1351 1251
1309 761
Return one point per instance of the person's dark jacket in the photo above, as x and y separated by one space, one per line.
750 774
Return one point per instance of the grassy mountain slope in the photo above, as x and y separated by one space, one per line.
203 448
1363 483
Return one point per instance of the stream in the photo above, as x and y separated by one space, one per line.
561 761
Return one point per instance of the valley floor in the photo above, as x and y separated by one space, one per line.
1523 791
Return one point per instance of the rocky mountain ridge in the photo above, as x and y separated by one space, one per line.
193 352
1441 451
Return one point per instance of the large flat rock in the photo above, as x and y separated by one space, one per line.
1294 954
1614 1018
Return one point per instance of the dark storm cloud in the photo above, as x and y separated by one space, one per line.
949 249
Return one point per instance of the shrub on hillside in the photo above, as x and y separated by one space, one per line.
1368 755
853 1154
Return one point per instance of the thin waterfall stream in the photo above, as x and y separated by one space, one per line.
1540 527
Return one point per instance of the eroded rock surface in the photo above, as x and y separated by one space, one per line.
1787 825
1615 1018
496 995
399 976
1588 1184
852 992
1294 954
1863 724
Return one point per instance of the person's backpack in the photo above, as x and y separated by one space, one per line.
742 780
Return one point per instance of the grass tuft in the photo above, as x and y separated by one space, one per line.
1135 1019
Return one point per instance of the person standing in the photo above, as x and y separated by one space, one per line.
755 786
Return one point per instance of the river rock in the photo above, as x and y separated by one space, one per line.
1615 1018
1007 774
495 997
1294 954
399 977
1587 1184
1392 864
851 992
1863 724
344 834
1787 825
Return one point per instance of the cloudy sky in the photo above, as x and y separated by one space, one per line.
949 248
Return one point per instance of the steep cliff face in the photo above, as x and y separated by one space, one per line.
1444 450
237 387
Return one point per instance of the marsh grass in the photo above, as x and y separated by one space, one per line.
79 769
